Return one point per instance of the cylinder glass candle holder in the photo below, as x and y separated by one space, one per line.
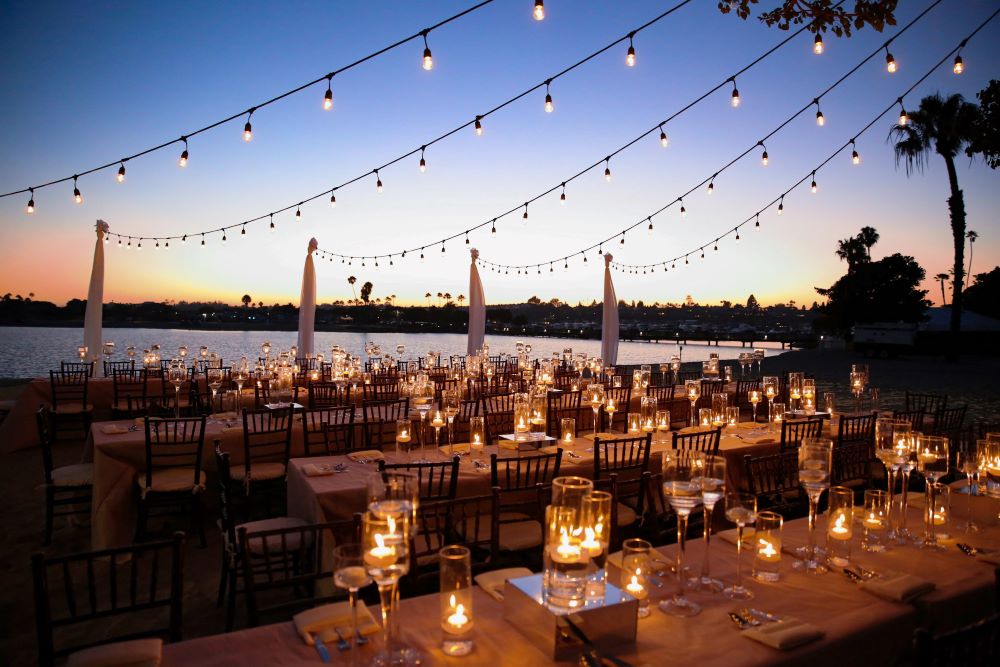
732 417
522 417
596 523
570 491
403 435
637 563
567 431
875 521
941 511
647 413
840 525
809 395
616 380
777 412
767 547
564 580
539 410
477 435
719 404
991 466
705 417
634 423
663 421
455 565
830 403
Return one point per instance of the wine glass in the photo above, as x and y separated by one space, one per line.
182 352
858 387
386 559
741 509
932 462
712 477
904 442
391 491
815 462
214 376
682 488
176 375
754 397
967 461
769 384
758 355
891 458
595 394
451 399
423 398
692 389
400 350
242 374
349 573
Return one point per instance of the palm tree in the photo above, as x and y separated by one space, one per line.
972 236
447 297
946 127
460 298
852 251
868 237
428 297
439 295
941 277
246 300
350 281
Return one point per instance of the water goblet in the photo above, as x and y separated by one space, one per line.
681 470
741 509
387 559
932 462
595 395
692 389
349 573
815 462
214 376
712 478
967 462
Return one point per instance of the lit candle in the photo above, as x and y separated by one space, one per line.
591 545
404 436
564 552
611 405
940 516
380 555
874 522
636 589
568 437
840 529
438 419
768 551
521 425
926 457
458 622
648 426
704 421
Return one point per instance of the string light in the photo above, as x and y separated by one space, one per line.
121 173
562 195
622 242
630 55
30 208
525 216
855 158
328 97
248 128
650 228
298 213
183 161
493 229
763 156
607 169
902 113
442 246
202 241
423 162
333 200
548 97
959 65
184 239
77 197
711 184
428 60
781 206
735 99
272 222
663 138
243 232
890 62
818 45
684 211
479 126
466 238
378 182
820 120
737 230
539 10
223 236
813 187
119 242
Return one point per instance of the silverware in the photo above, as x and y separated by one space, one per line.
342 643
740 622
970 550
324 655
744 619
852 575
761 615
360 639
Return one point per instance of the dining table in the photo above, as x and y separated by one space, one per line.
854 626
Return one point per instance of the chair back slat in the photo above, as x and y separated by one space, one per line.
437 480
621 455
380 420
497 424
69 387
929 403
661 392
500 402
524 472
328 430
701 441
772 477
328 395
794 431
856 428
267 436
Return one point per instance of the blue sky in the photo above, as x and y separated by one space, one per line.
92 82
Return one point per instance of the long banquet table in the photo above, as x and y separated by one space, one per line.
858 627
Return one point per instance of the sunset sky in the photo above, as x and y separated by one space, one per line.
90 82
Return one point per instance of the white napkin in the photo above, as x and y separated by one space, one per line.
317 469
113 429
133 653
330 617
785 634
369 454
897 586
493 582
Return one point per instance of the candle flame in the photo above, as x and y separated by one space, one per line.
379 541
392 526
767 549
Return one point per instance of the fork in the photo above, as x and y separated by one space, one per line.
359 638
342 644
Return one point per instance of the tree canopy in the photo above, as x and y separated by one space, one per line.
983 296
823 15
882 291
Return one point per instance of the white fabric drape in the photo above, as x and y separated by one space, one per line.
609 320
93 319
477 307
307 304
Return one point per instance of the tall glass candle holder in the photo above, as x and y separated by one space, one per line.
839 525
769 385
809 395
539 410
564 580
875 521
830 403
637 563
795 390
596 523
634 423
570 491
455 566
719 404
477 435
386 558
663 425
692 390
595 395
940 513
403 435
567 431
522 416
767 547
647 412
732 417
777 414
815 464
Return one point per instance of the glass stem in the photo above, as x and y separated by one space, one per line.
177 402
694 414
813 509
968 502
931 539
705 574
739 557
902 502
597 419
890 476
387 597
682 524
352 596
754 412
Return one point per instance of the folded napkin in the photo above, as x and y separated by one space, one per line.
134 653
757 437
507 444
331 617
730 536
785 634
493 582
233 429
897 586
225 416
370 454
317 469
459 448
603 436
113 429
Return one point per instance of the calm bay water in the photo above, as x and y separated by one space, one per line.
33 351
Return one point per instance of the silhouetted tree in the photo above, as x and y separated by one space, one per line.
941 277
350 281
944 126
983 296
246 300
822 15
882 291
366 291
972 236
868 237
986 140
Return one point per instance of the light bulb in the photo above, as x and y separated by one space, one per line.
121 174
183 162
224 237
663 138
479 127
428 63
890 63
711 187
763 158
539 10
607 173
562 195
813 187
630 56
820 120
781 206
298 214
736 98
493 229
30 208
77 196
248 132
650 228
818 45
756 224
548 103
184 239
119 242
902 116
328 100
271 227
243 232
855 158
683 211
737 237
378 182
525 216
423 165
333 200
959 65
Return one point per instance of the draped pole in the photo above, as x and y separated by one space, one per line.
477 307
93 318
307 303
609 319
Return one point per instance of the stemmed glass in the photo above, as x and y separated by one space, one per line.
770 386
758 355
400 350
109 351
692 389
754 397
858 387
682 488
176 374
741 509
890 457
241 374
815 462
932 462
386 558
904 442
713 489
349 573
967 461
437 422
214 376
423 397
450 398
595 392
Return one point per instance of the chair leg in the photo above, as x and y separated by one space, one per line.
198 519
140 527
49 514
223 579
231 599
